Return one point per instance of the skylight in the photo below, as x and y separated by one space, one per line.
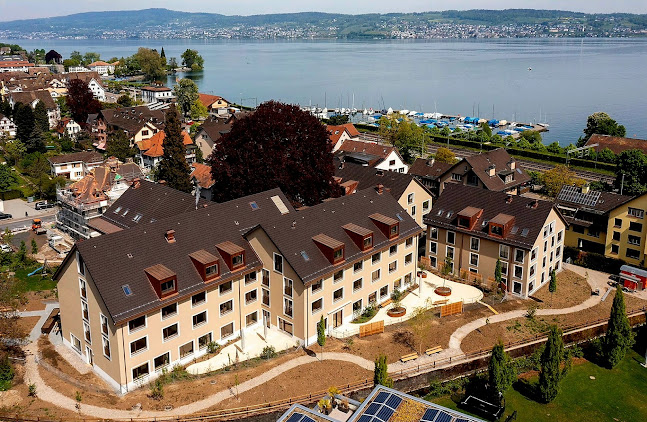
117 210
125 212
440 212
525 232
127 290
254 205
514 230
305 256
399 216
137 217
450 213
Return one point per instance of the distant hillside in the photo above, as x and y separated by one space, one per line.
168 23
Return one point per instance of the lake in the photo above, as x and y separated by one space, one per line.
568 80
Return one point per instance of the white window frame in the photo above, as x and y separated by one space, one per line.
177 311
379 259
105 340
514 272
206 320
205 298
251 301
408 257
321 283
361 266
179 353
101 318
408 242
148 364
291 306
233 330
523 258
204 335
138 328
447 237
335 291
410 198
164 340
256 322
84 283
472 254
504 247
435 247
534 253
478 241
312 311
228 312
433 230
168 352
72 338
291 295
447 248
220 293
139 351
274 263
395 268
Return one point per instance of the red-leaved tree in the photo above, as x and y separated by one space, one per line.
80 101
277 146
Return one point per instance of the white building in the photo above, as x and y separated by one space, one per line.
75 166
153 94
103 68
68 126
7 126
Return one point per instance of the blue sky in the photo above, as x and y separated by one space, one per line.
25 9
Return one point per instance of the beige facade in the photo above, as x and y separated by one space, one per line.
627 232
417 201
524 270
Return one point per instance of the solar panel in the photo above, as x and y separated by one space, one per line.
429 415
372 409
296 417
443 417
462 420
381 398
574 194
307 419
384 413
393 402
364 418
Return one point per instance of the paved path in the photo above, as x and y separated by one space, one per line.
35 332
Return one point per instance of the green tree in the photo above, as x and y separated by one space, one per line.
631 172
15 150
338 119
7 177
381 372
486 130
321 334
602 124
172 63
173 167
198 111
554 148
501 372
619 337
555 178
445 155
6 372
119 146
550 373
38 170
90 57
162 53
607 156
186 92
191 58
40 116
151 64
76 57
34 247
552 286
36 140
24 120
66 143
498 278
125 101
21 255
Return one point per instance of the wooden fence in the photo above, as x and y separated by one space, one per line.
451 309
371 328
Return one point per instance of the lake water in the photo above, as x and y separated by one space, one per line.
569 80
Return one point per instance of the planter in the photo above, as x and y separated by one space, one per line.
443 291
396 312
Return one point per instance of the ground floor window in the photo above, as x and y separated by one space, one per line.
227 330
357 306
317 305
76 343
186 349
433 262
384 292
407 279
372 298
204 340
397 284
286 326
140 371
251 319
162 361
531 287
516 287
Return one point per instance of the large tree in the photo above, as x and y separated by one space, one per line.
40 116
631 174
186 92
445 155
557 177
7 177
151 64
36 140
277 146
80 101
173 167
24 120
619 337
118 145
380 373
550 373
403 134
191 58
501 372
602 124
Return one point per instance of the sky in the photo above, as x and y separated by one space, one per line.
27 9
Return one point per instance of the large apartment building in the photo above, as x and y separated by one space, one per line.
470 228
156 293
626 236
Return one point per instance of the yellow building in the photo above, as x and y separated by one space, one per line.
625 237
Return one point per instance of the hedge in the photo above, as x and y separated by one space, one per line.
10 194
593 261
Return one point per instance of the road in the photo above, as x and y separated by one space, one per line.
14 223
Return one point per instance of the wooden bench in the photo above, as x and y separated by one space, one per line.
385 303
440 302
433 350
407 358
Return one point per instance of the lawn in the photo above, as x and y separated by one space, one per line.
613 395
36 282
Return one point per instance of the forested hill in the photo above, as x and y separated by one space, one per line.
161 23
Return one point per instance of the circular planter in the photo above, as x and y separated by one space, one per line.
443 291
396 312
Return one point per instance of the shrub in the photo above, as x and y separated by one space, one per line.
593 261
6 373
157 389
32 390
268 352
213 347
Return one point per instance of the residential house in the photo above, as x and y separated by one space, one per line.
151 150
32 98
74 166
155 295
381 157
213 103
341 133
470 228
78 69
7 126
202 180
67 126
494 170
405 188
92 79
626 236
429 172
103 68
587 213
154 94
87 199
616 144
139 123
210 132
15 66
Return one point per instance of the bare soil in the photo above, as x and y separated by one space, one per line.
572 289
34 300
26 324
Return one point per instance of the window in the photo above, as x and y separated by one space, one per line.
636 227
203 341
425 205
397 284
137 217
433 247
141 371
200 318
384 292
559 236
287 286
266 278
407 279
413 211
451 237
278 263
287 307
474 259
504 252
633 240
339 276
504 270
251 296
558 251
338 255
86 330
138 345
578 229
105 343
85 310
80 264
357 306
83 288
408 243
496 230
391 162
317 305
169 310
357 284
358 266
615 249
592 232
457 177
186 349
635 212
372 298
393 250
76 343
104 324
633 254
519 255
136 324
198 299
167 287
546 243
285 326
170 331
376 258
225 288
543 262
368 242
408 259
433 262
475 243
266 297
617 222
251 319
317 285
250 278
516 287
226 330
450 252
433 233
375 275
518 271
393 266
338 294
410 198
226 307
616 235
533 254
532 270
211 270
237 260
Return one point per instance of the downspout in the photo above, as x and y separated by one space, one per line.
240 310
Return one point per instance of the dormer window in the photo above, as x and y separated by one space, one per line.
163 280
496 230
362 237
211 270
167 287
368 242
332 249
390 227
233 255
206 263
338 254
463 222
394 230
237 260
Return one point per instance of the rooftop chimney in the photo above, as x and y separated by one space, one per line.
162 182
491 171
585 189
380 188
431 161
170 236
512 164
534 204
136 183
508 200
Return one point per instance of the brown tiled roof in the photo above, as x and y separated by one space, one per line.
156 88
215 128
422 167
456 197
202 174
230 247
381 151
154 146
160 272
617 144
335 132
84 76
28 97
84 156
571 197
203 257
327 241
367 177
103 226
132 119
500 158
207 99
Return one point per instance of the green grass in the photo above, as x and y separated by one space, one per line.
36 282
614 395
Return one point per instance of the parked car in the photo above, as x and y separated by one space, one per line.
5 248
4 216
44 205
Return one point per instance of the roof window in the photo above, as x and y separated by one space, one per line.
117 210
254 205
127 290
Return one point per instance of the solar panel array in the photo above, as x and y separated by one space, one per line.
300 417
381 408
574 195
436 415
